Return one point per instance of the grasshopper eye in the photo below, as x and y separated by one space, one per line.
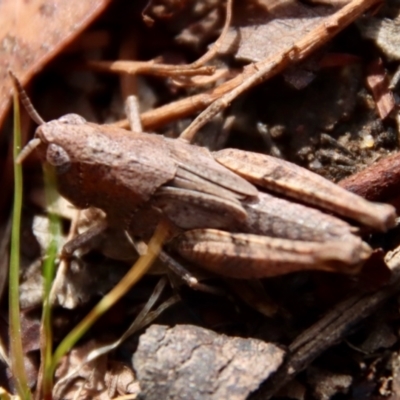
72 119
58 157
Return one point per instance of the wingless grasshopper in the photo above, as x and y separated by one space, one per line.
220 204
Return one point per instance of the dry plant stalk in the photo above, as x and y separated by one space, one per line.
219 98
265 69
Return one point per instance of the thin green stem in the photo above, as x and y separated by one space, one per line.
134 274
48 276
16 350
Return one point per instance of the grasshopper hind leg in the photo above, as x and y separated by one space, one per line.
248 256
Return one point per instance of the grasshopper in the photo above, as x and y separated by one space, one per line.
236 213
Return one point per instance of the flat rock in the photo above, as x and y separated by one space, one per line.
189 362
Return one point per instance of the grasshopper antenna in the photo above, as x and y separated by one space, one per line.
32 144
25 100
29 147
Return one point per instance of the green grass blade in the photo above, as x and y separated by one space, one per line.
134 274
16 351
48 276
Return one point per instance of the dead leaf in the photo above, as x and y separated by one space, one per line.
379 84
100 379
268 29
32 33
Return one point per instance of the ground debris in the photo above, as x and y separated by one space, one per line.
385 33
327 384
320 112
377 182
382 337
265 28
191 362
100 379
378 83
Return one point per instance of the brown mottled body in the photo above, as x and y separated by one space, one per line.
221 220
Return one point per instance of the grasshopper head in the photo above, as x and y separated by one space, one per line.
51 138
55 141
